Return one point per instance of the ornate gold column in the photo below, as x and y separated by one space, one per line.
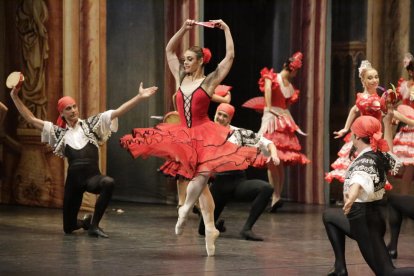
37 179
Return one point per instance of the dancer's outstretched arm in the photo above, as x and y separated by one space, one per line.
351 117
142 94
24 111
223 68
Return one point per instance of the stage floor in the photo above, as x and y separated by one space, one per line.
142 242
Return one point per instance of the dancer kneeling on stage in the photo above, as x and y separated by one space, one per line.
233 184
78 140
362 219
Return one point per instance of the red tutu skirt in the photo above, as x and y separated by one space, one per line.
404 145
281 130
189 151
341 164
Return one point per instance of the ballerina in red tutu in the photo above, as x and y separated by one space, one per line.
277 122
367 103
197 146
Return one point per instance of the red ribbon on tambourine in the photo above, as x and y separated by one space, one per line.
206 24
15 79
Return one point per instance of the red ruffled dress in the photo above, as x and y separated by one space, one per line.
281 129
194 146
404 140
367 105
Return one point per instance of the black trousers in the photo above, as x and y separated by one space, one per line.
85 177
233 186
366 225
398 206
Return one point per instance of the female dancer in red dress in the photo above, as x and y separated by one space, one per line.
367 103
198 146
402 204
277 122
404 139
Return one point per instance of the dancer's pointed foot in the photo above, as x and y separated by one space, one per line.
182 219
211 237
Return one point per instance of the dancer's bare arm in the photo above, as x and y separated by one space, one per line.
143 93
24 111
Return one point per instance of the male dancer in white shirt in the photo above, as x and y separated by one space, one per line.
78 140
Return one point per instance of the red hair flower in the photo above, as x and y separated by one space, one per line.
296 61
206 55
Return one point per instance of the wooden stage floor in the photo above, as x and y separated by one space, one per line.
142 242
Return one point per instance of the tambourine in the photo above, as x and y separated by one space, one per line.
14 79
172 118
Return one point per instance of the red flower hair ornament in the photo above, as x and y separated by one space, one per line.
206 55
296 61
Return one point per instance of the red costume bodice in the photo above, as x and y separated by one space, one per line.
193 109
278 98
369 105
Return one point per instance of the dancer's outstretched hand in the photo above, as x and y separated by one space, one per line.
189 24
274 159
340 133
147 92
347 204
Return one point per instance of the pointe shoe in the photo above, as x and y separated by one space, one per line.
210 239
179 226
95 231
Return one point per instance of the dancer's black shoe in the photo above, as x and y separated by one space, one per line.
97 232
276 206
249 235
339 272
86 221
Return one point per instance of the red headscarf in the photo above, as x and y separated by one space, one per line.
227 108
368 126
61 105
